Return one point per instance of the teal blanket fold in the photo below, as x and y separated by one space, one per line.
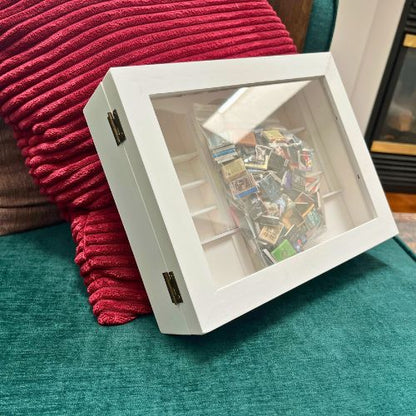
321 26
342 344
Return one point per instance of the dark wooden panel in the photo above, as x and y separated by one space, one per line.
402 202
295 15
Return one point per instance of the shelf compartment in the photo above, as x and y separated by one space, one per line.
193 185
331 194
184 158
226 234
203 211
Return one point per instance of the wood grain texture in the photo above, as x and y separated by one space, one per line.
401 202
295 15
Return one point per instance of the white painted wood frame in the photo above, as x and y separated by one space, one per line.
153 208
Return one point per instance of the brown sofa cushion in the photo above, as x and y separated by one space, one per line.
22 207
295 15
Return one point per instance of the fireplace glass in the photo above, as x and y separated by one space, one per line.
398 128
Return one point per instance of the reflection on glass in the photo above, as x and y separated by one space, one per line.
265 172
399 126
255 174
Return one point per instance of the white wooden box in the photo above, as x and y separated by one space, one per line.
203 266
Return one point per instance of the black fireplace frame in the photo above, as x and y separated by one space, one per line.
397 172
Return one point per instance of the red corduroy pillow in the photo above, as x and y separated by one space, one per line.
53 54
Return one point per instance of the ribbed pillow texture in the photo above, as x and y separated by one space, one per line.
53 54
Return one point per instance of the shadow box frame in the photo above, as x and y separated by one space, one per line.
142 178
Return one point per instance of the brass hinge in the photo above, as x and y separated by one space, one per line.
172 286
116 127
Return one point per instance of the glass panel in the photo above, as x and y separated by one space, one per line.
264 170
398 133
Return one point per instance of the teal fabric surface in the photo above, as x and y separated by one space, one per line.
321 26
342 344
